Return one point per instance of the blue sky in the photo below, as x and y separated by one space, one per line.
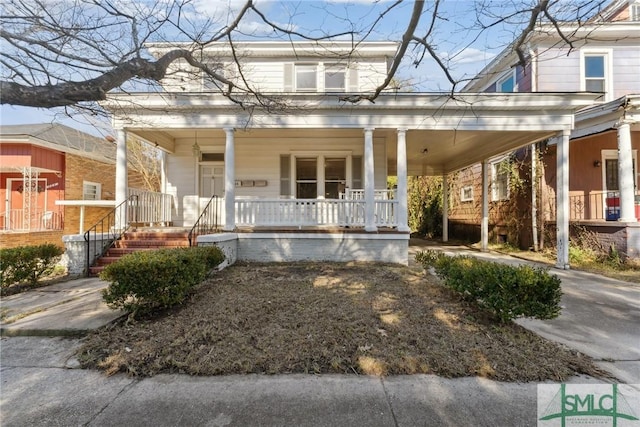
451 38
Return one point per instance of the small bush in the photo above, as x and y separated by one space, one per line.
27 263
148 281
507 291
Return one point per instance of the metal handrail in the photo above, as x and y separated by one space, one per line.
206 222
112 226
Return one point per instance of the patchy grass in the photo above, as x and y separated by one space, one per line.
583 260
328 318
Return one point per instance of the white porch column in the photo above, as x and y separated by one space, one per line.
369 184
562 200
484 225
445 207
121 176
625 173
401 191
229 181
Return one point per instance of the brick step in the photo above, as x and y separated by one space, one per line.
153 235
124 251
151 243
95 270
141 240
106 260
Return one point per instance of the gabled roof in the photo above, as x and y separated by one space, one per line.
599 28
60 137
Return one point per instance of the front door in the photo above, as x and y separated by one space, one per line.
212 180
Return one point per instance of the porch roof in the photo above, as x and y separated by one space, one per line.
444 133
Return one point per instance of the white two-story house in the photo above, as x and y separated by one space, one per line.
604 57
298 169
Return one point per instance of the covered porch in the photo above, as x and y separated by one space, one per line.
322 164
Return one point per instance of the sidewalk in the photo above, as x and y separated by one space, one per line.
39 390
69 308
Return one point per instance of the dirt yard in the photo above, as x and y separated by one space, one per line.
328 318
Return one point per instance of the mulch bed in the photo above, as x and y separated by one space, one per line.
354 318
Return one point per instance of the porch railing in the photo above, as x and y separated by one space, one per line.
358 194
153 208
208 220
111 227
596 205
312 212
19 220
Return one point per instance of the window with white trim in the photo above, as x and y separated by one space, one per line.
466 193
306 77
91 190
500 180
594 73
208 82
334 78
507 83
610 171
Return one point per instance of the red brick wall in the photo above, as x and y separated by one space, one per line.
12 240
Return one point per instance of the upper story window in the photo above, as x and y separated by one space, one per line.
306 77
596 72
507 83
208 82
320 77
91 190
594 75
334 78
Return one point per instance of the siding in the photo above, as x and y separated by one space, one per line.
626 71
267 75
557 71
259 159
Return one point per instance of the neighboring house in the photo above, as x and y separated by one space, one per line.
306 178
44 166
602 156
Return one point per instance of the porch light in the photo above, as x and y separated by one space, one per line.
196 148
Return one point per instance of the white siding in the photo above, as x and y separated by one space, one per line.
259 159
180 178
267 75
626 71
558 72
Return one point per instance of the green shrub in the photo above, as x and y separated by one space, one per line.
148 281
27 263
507 291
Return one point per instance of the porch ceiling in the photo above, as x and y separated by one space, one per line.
446 150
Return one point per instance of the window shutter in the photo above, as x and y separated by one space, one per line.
353 80
356 172
285 176
288 78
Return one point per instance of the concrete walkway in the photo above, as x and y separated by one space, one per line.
600 316
69 308
41 385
